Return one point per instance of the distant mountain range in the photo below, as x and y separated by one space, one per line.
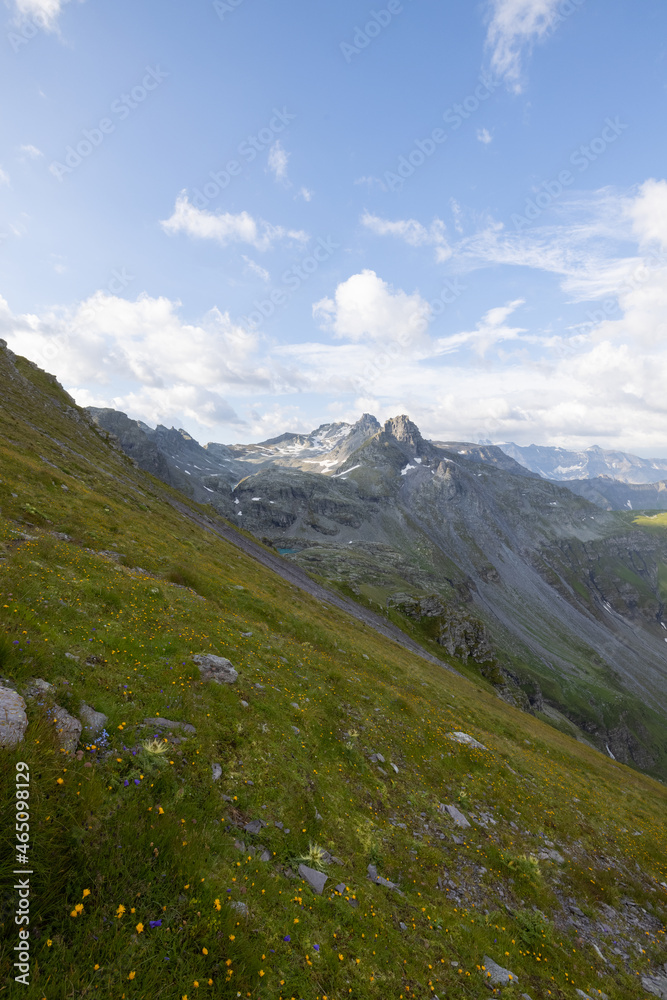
560 603
558 464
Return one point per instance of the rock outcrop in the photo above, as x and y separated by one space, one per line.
13 718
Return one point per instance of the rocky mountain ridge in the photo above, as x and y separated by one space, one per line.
563 465
567 596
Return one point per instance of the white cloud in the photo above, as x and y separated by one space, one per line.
489 331
648 212
4 176
366 308
372 182
581 239
160 362
516 25
44 13
306 194
256 268
278 159
484 136
458 215
224 227
413 232
31 152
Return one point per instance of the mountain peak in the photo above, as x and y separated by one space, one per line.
402 429
367 422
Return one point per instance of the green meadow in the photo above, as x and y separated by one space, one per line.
145 882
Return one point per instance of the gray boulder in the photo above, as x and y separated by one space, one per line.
216 668
656 983
38 688
254 826
316 880
13 720
467 740
379 880
216 771
551 855
498 975
67 727
456 815
159 723
93 722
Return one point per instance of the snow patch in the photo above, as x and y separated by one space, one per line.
345 471
407 468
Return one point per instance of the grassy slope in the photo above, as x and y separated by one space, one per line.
157 838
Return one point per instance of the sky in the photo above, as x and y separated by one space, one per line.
243 218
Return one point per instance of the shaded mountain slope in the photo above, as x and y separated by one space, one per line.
611 494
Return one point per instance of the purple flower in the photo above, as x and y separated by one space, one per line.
155 923
287 938
126 782
316 947
136 781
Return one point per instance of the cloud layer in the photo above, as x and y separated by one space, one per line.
379 348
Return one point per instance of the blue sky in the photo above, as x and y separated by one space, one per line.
243 218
